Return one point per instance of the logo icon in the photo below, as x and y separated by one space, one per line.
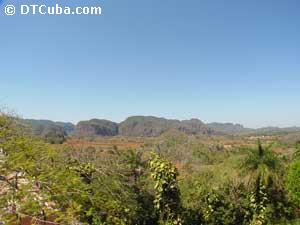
10 10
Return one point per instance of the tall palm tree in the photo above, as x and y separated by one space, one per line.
262 164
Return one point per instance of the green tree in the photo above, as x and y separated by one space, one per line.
167 194
33 178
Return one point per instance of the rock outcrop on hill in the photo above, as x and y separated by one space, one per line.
194 126
149 126
96 127
144 126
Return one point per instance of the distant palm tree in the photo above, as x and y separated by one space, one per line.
261 163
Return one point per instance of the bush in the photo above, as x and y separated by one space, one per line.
293 181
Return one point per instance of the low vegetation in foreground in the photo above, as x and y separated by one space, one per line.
176 178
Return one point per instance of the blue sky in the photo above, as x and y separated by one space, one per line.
226 60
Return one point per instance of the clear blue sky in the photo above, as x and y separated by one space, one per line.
226 60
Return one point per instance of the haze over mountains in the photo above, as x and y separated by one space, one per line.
144 126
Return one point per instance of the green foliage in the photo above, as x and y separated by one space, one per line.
41 182
167 194
33 177
293 181
261 162
114 189
297 152
220 210
266 200
258 201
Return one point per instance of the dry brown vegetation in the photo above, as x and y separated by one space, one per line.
107 143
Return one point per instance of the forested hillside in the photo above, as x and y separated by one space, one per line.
52 132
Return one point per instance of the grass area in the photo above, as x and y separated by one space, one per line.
294 222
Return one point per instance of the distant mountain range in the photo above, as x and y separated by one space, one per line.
145 126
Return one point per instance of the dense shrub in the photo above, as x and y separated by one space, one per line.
294 181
